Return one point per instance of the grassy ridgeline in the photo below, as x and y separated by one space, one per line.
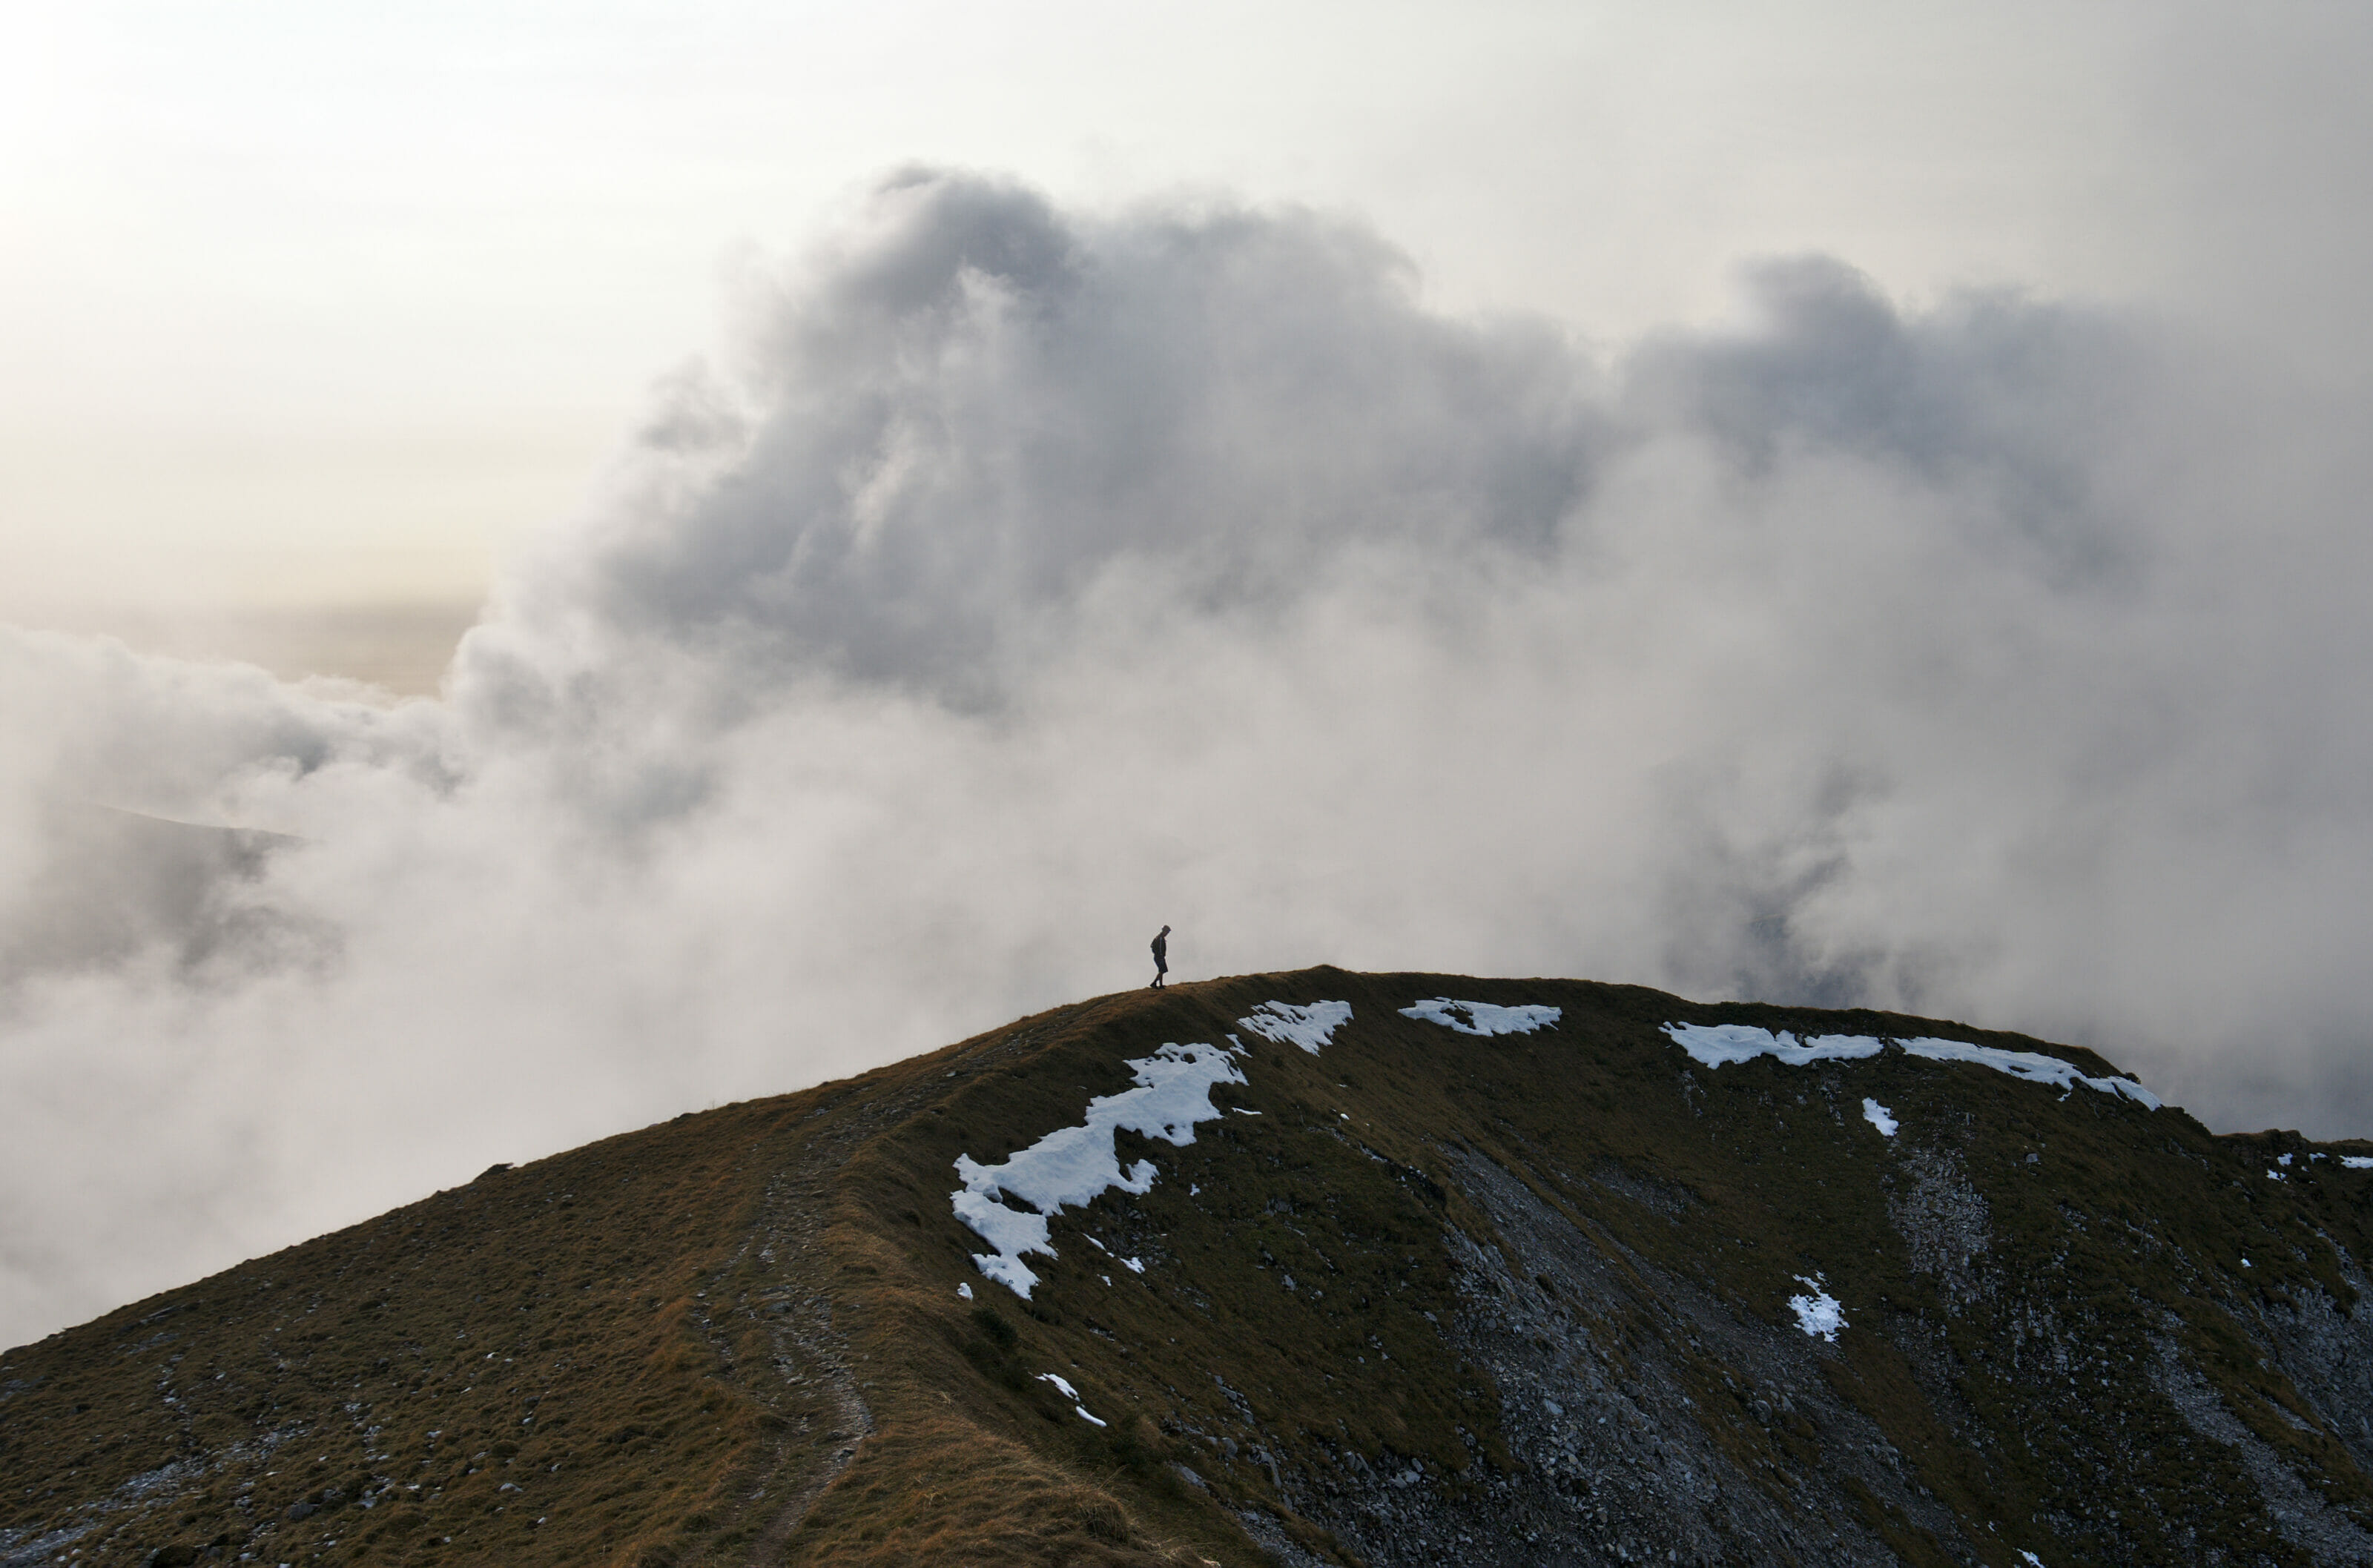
739 1336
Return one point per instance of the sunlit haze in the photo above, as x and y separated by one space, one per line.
324 303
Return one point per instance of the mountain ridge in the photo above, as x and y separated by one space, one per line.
1521 1297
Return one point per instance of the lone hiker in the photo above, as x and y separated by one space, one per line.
1160 956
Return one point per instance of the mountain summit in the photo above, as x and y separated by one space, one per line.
1305 1267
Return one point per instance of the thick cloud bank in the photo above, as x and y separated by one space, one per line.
1029 580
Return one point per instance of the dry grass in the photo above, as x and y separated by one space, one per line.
530 1328
591 1329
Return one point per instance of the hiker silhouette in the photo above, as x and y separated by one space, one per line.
1160 956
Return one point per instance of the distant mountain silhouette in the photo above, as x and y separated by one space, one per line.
114 881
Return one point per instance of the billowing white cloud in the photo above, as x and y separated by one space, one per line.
1023 580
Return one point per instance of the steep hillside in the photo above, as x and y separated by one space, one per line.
1335 1271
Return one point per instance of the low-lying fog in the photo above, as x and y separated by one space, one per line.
1020 580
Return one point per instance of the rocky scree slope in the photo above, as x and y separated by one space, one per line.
1304 1268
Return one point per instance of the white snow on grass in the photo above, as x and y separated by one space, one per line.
964 1291
1878 1115
1483 1018
1713 1044
1819 1313
1068 1167
2357 1162
1063 1387
1132 1265
1311 1027
2033 1066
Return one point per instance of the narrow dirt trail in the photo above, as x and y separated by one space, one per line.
808 1351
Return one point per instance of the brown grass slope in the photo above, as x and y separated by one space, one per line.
737 1337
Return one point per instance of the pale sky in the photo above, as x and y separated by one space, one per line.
317 304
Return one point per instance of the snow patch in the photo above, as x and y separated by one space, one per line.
1878 1115
1483 1018
2356 1162
1132 1265
964 1291
1065 1388
1311 1027
1819 1313
1068 1167
1010 1232
2033 1066
1711 1045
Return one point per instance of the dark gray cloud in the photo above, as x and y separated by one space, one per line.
954 424
1021 578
